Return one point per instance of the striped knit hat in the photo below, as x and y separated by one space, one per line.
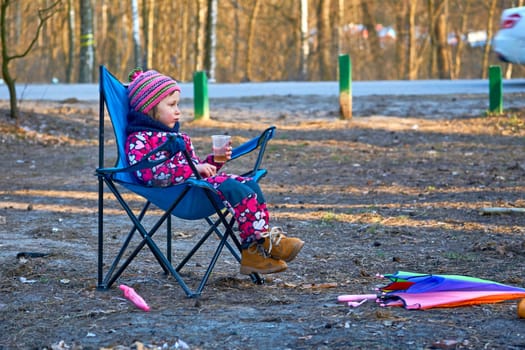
147 89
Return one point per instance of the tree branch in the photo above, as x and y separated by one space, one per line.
43 16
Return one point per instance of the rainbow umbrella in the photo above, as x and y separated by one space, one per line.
424 291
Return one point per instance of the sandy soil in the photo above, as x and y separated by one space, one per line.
398 187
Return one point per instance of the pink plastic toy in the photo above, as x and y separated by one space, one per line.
356 297
355 300
131 295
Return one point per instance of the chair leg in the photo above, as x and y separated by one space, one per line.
110 277
146 240
195 248
165 261
168 239
256 278
215 227
213 261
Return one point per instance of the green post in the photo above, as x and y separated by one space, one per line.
345 86
200 96
495 90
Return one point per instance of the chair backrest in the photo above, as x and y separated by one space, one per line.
114 97
194 205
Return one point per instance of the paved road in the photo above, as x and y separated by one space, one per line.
89 92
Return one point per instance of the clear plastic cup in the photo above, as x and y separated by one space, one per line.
220 145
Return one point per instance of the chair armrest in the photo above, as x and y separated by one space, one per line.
259 143
253 144
173 145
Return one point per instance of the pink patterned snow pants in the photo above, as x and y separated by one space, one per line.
243 197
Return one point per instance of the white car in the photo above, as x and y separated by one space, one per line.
509 42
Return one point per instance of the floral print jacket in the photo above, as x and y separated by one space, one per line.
174 170
146 134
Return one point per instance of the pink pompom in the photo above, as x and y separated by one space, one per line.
134 74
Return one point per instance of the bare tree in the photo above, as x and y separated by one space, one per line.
283 43
87 42
251 34
441 35
305 48
211 39
236 26
340 24
185 19
412 49
370 24
149 22
43 16
71 40
490 34
431 9
201 36
137 46
325 40
462 26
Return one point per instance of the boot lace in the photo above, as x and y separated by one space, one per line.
275 235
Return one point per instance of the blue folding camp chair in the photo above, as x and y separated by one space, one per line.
192 200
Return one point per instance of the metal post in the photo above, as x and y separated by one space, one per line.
345 86
495 90
200 96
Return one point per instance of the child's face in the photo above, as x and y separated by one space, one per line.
167 111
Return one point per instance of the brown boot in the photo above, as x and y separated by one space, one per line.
278 246
254 259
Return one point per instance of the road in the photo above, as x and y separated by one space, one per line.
89 92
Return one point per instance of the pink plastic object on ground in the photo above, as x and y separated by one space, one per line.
131 295
356 297
355 300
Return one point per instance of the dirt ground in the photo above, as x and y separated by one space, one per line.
401 186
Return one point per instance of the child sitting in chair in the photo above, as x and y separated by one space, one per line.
154 114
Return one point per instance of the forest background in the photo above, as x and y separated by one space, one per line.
255 40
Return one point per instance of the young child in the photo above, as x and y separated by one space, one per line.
154 114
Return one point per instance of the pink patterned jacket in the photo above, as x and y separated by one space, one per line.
174 170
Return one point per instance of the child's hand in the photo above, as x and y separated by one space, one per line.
229 151
206 170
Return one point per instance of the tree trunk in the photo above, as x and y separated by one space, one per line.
236 26
374 50
462 28
6 75
211 39
401 45
443 49
251 34
490 33
87 50
340 25
71 40
325 40
149 25
432 66
201 35
43 16
183 61
305 48
135 33
412 41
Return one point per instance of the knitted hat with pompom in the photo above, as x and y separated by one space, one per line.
147 89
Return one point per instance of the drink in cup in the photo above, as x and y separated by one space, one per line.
220 144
